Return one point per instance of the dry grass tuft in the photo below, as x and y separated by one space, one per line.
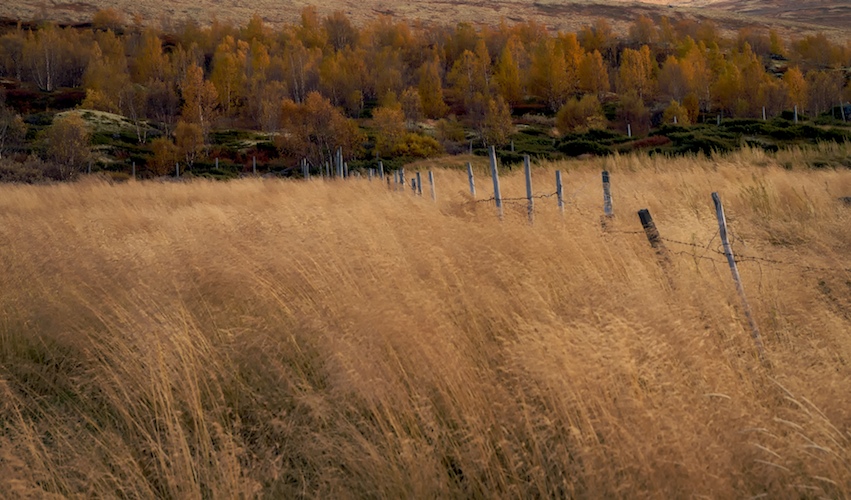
332 340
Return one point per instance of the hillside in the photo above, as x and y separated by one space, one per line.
289 339
833 16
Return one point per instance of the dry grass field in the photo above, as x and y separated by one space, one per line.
280 339
786 16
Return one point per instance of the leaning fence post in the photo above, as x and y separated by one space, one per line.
652 233
431 185
559 192
734 269
527 169
495 174
472 181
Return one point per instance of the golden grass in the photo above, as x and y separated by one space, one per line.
289 339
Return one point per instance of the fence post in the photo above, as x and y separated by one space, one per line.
472 181
431 185
369 174
734 269
345 170
675 119
652 233
402 177
559 192
512 146
134 170
629 130
607 195
414 185
395 180
495 174
177 170
763 113
217 163
381 170
419 184
796 113
719 120
254 165
527 169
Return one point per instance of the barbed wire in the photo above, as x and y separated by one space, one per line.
514 200
706 248
743 258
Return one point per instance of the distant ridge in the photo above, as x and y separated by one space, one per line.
788 16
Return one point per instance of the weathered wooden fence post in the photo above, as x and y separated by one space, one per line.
719 120
559 192
134 170
652 233
345 170
629 130
395 180
402 177
414 185
217 163
431 185
472 181
177 170
607 195
796 113
527 170
419 184
369 174
495 174
254 165
734 269
763 113
381 170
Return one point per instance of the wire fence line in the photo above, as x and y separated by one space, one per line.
699 251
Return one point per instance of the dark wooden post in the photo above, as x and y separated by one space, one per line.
652 233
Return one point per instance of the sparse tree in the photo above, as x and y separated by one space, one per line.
68 144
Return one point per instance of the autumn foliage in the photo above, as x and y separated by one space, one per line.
305 83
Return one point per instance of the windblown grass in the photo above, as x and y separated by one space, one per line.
289 339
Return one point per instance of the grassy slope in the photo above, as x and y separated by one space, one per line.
786 16
222 340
